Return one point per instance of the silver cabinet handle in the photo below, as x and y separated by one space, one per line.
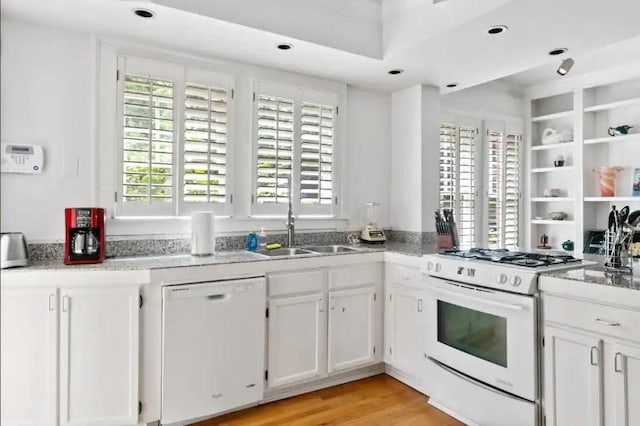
52 302
609 323
65 303
419 305
616 368
593 348
321 305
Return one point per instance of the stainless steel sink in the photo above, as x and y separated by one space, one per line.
330 249
283 252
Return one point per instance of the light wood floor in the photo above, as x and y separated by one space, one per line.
376 401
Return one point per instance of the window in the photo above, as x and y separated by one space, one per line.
294 150
458 177
495 221
174 139
503 192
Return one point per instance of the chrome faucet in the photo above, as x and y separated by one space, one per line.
291 227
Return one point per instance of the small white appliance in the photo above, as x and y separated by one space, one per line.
13 250
22 158
371 233
482 339
203 240
213 337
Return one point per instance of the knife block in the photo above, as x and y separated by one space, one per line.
444 242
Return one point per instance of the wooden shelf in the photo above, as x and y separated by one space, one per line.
551 199
612 105
611 199
551 146
616 139
552 222
551 169
552 116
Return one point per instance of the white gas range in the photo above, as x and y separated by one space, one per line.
482 337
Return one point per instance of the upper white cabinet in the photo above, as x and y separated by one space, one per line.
28 372
351 328
591 363
97 356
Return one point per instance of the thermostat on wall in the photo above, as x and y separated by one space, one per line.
22 158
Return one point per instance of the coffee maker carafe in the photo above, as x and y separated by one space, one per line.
84 235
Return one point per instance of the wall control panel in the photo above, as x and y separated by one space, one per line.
22 158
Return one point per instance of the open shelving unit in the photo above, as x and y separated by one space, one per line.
585 113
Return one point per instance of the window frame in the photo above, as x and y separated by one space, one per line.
180 75
298 95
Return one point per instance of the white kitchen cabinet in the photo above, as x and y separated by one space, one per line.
89 335
297 339
407 330
28 341
622 384
99 355
573 384
351 328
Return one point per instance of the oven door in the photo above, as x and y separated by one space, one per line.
486 334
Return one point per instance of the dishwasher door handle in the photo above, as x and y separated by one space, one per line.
218 297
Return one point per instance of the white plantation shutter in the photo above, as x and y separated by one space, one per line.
147 108
295 133
458 177
316 154
512 190
503 210
495 189
275 130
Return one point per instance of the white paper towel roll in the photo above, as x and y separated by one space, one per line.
203 239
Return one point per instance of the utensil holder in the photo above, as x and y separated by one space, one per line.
616 251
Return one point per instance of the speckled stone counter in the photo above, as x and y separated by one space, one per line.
597 275
219 258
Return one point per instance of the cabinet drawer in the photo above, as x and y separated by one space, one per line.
355 276
403 275
602 319
296 282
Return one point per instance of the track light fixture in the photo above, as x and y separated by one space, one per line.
565 66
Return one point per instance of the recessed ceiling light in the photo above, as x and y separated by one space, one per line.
396 71
565 66
497 29
558 51
143 13
285 46
452 85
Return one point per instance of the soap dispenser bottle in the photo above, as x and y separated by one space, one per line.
262 239
252 241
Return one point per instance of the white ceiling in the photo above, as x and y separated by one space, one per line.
358 41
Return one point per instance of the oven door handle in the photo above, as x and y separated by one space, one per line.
509 306
476 382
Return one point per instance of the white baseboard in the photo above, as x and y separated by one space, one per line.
407 379
452 413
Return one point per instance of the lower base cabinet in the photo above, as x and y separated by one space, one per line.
591 374
97 356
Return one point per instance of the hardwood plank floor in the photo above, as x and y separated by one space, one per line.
377 401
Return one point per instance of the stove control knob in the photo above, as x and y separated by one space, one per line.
438 267
516 281
429 265
501 279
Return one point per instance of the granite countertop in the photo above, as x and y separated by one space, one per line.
224 257
596 274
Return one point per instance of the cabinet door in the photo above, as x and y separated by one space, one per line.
408 324
572 376
28 356
622 399
351 328
297 339
99 356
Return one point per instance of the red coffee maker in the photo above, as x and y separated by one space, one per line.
84 235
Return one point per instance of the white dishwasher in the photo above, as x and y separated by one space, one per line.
213 345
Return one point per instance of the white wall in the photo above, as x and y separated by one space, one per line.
486 101
48 98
